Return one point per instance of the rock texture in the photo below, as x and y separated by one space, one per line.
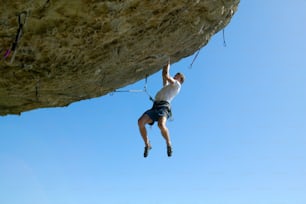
55 52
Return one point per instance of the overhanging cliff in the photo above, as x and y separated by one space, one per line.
55 52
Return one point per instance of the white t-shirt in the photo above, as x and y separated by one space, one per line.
168 92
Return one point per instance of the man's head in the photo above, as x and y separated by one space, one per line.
180 77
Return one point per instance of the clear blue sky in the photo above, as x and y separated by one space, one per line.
238 132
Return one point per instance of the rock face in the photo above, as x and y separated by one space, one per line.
55 52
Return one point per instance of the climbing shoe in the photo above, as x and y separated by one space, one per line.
146 151
169 151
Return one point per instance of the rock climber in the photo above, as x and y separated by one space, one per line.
161 109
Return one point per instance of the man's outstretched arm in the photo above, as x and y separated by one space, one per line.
166 76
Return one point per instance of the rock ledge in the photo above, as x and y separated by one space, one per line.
56 52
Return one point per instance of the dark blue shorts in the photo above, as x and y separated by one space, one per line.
158 111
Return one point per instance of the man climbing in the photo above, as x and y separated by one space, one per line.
161 109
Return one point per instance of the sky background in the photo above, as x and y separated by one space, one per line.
238 133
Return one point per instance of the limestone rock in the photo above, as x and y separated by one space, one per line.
55 52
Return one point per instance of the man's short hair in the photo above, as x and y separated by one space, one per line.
182 76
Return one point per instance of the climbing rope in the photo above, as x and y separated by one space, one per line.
223 34
19 34
145 90
13 49
194 59
198 52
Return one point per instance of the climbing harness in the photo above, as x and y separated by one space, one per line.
145 90
158 105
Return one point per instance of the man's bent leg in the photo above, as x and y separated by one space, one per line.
164 130
142 121
165 133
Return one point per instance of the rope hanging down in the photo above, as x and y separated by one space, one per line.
137 90
194 59
198 52
18 36
224 42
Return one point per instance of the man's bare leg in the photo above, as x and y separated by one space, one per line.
165 133
164 130
142 121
